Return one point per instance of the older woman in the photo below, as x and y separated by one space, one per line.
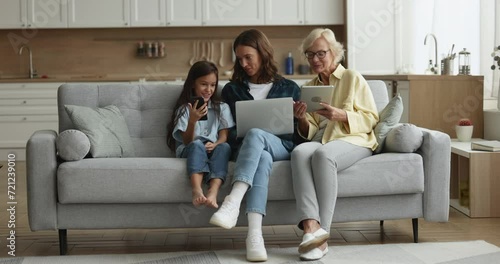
255 77
340 134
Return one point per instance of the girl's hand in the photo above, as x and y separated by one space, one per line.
332 113
196 114
209 146
299 110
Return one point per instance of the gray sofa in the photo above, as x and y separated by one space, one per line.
152 189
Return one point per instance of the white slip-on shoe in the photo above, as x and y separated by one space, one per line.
227 215
314 254
313 240
256 250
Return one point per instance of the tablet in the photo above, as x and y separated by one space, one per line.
313 95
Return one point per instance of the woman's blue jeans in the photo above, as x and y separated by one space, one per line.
212 165
254 163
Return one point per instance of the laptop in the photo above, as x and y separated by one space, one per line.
313 95
272 115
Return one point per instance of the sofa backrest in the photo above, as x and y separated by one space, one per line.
379 91
146 108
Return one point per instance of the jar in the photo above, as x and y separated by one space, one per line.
464 62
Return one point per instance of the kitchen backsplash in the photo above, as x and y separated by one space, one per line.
101 52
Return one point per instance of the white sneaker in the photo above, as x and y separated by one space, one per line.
313 240
256 250
227 215
314 254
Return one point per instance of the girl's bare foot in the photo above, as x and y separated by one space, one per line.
198 198
211 200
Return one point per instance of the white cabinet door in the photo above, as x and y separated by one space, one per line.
47 13
233 12
324 12
147 13
284 12
13 14
95 13
184 12
372 35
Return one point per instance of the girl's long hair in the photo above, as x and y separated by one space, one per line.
257 40
199 69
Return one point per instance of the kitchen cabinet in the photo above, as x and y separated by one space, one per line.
25 108
373 36
233 12
98 14
304 12
158 13
16 14
438 101
147 13
184 12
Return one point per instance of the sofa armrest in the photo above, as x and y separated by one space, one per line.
436 155
41 168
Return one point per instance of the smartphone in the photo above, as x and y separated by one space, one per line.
201 101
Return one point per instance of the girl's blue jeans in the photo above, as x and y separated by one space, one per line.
212 165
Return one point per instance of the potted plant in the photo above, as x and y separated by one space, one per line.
464 130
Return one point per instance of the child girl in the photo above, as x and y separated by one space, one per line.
202 142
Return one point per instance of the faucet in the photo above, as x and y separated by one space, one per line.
32 72
435 69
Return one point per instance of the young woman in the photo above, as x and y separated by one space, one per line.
255 77
202 142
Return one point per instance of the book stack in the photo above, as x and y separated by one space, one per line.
490 145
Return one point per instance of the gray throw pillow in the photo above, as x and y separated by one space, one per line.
388 118
405 138
106 129
72 145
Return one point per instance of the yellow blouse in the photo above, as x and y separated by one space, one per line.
353 95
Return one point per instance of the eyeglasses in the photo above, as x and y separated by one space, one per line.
320 54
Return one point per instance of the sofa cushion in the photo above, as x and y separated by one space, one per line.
106 129
383 174
405 138
164 180
388 118
72 145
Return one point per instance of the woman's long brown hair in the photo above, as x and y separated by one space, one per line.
257 40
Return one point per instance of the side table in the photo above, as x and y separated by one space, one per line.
474 180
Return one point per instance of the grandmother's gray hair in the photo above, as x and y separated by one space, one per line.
336 47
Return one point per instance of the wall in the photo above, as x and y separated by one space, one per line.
111 52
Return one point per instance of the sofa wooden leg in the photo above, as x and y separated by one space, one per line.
63 241
414 222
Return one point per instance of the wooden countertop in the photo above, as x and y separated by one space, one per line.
120 78
167 77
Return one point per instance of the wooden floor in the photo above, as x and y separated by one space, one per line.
42 243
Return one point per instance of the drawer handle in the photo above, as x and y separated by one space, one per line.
24 102
24 119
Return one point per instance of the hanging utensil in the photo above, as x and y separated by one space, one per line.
195 53
221 58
